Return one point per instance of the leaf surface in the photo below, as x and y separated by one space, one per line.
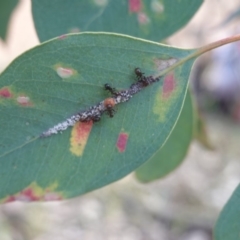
228 223
154 20
173 152
52 81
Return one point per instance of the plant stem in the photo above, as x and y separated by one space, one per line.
200 51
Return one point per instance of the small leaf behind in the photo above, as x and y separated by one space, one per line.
173 152
228 223
153 19
6 8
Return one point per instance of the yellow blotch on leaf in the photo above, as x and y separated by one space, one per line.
165 97
79 137
34 192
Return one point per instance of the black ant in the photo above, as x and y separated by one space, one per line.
141 78
139 73
110 89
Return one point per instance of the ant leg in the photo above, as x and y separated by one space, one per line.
96 118
110 111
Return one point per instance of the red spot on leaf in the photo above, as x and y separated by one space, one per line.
122 142
34 192
135 5
168 85
27 195
5 93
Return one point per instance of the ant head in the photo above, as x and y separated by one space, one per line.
107 86
138 72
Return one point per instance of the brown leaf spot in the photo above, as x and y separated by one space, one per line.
122 141
79 137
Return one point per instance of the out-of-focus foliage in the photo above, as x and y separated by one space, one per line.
6 8
154 20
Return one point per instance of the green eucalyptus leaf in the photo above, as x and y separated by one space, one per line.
59 78
150 19
173 152
228 223
6 8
